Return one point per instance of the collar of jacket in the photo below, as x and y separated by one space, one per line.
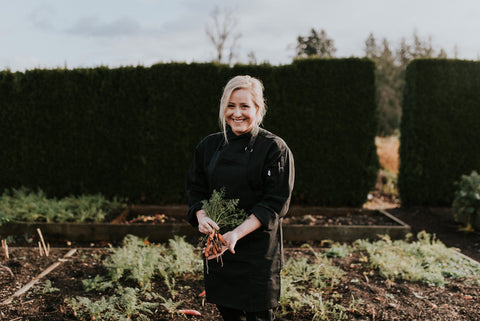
232 136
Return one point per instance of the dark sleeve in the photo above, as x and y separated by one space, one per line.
279 176
196 185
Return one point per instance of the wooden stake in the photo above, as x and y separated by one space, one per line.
5 248
45 249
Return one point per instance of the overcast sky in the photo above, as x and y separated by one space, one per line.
89 33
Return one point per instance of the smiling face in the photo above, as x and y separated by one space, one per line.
241 111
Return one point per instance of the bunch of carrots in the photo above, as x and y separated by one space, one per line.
224 212
214 243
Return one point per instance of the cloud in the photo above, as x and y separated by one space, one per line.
42 17
92 26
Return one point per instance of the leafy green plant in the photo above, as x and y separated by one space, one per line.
324 310
179 258
135 260
139 261
126 304
466 203
47 287
98 283
338 250
170 305
426 260
356 305
389 182
303 283
26 205
224 212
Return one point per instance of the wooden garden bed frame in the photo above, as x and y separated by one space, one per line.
93 232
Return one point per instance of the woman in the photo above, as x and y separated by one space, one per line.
256 167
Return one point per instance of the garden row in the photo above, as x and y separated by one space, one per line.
141 280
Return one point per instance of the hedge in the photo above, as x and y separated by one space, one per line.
440 130
131 131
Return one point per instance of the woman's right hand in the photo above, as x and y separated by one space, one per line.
205 223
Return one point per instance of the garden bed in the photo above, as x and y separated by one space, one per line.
161 223
361 290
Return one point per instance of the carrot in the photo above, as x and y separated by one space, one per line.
207 249
220 237
203 293
213 245
189 312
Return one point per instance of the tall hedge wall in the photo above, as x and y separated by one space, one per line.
131 131
440 130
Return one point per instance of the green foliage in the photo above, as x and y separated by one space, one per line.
170 305
338 250
179 258
98 283
440 131
125 305
306 281
141 262
28 206
426 260
131 131
389 182
135 260
390 74
466 204
324 310
46 288
336 163
316 45
224 212
303 283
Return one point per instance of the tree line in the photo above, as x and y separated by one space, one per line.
391 61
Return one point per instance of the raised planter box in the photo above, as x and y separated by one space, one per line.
90 232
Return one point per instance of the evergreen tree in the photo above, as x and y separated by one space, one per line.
315 44
390 74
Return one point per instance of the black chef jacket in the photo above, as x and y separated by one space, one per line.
258 169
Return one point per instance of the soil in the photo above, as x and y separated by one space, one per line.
383 299
346 219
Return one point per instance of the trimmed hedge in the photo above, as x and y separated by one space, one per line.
131 131
11 124
440 130
327 114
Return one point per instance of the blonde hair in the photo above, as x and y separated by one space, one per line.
255 87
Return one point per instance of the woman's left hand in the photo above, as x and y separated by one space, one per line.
231 239
248 226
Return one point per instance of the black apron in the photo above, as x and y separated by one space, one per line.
243 280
